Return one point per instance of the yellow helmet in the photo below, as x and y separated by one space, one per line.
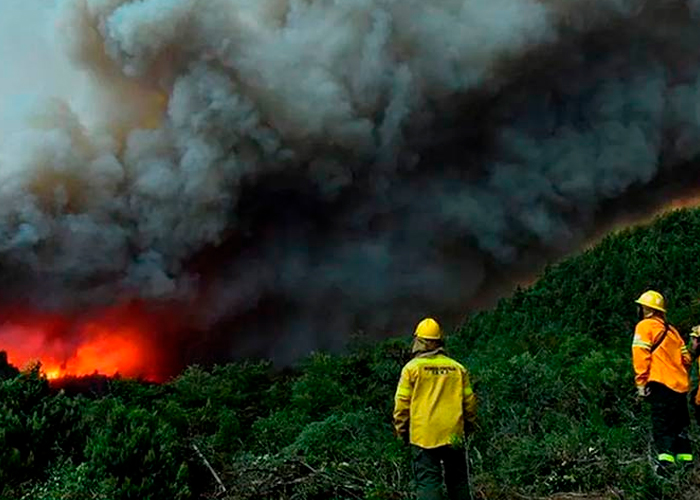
652 300
695 332
428 329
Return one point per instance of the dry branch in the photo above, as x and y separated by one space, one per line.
211 469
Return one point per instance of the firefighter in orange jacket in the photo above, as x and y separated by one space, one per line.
434 408
661 362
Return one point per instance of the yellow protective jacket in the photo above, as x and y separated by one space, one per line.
668 364
433 400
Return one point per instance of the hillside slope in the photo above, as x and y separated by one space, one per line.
551 368
553 365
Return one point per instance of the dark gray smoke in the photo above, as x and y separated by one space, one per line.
288 172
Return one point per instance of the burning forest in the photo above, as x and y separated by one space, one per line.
202 202
116 341
186 181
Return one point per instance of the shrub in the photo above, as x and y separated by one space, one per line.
134 453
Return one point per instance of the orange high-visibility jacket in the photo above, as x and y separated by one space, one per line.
433 399
668 364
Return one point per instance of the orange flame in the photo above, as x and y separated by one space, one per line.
686 202
690 201
117 342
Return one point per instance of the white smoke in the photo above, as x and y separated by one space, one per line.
293 149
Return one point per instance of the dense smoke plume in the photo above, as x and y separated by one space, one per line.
282 173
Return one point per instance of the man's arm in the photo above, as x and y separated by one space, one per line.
685 355
468 402
641 355
402 404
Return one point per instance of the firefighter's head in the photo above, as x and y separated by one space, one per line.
695 337
427 337
651 303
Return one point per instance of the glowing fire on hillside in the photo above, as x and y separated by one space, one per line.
691 201
688 202
118 341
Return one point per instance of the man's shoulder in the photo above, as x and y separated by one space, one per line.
438 360
649 324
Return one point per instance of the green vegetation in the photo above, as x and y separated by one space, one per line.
551 368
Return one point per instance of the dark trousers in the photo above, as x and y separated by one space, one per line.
428 466
669 420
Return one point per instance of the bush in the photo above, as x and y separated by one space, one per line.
33 426
134 453
359 436
272 433
68 481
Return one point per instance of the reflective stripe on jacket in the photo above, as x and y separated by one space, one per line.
668 364
433 399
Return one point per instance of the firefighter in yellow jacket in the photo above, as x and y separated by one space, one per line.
434 408
661 363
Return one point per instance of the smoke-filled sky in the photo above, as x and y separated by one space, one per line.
284 173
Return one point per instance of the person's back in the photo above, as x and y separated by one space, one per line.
670 357
437 406
433 404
